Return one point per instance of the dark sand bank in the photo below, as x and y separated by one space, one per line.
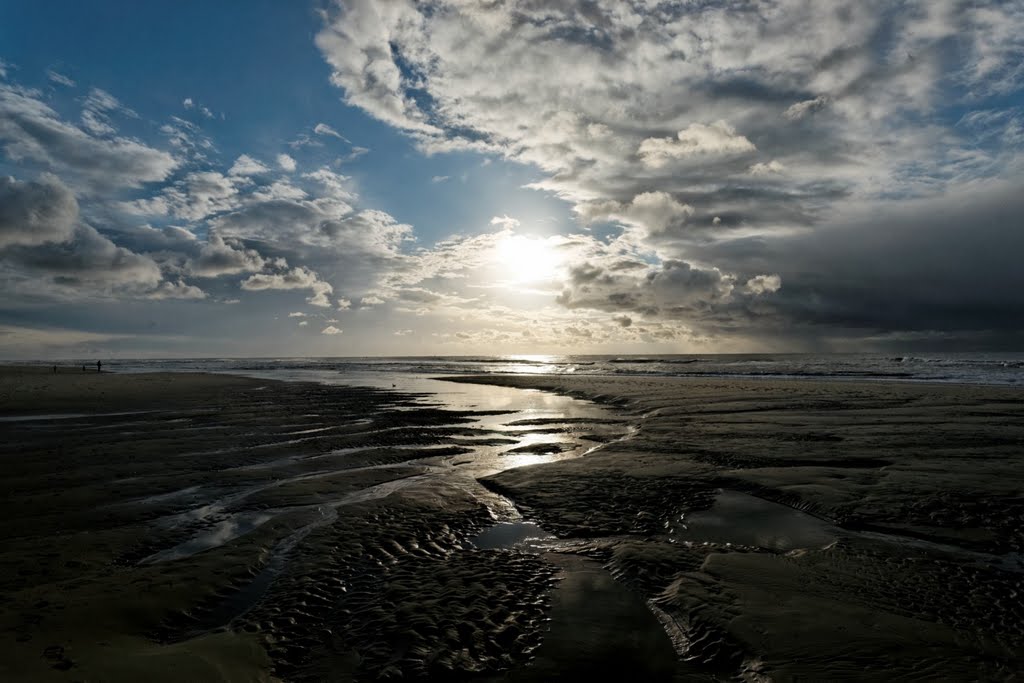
33 390
907 560
198 527
207 527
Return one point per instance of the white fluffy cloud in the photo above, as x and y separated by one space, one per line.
218 257
294 278
616 99
197 196
764 284
246 165
652 211
696 140
286 162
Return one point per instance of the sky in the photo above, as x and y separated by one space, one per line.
460 177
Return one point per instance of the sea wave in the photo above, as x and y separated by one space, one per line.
1005 369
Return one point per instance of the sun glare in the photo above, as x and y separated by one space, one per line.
527 259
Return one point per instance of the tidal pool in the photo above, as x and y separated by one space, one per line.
741 519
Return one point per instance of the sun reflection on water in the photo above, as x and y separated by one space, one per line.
530 363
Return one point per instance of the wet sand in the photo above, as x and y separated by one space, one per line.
208 527
201 527
805 530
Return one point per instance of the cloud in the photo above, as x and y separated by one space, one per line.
217 257
190 104
197 196
304 140
333 184
763 284
357 44
330 329
675 289
714 164
96 111
439 178
176 290
356 153
767 168
297 314
187 139
505 222
600 130
799 110
30 131
326 223
653 211
86 263
33 213
245 165
43 239
850 279
286 162
303 323
702 132
60 79
324 129
295 278
696 140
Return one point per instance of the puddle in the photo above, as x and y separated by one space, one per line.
67 416
741 519
222 532
599 631
379 491
510 535
240 602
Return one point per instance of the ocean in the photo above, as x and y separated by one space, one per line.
958 368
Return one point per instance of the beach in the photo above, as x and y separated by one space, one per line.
175 526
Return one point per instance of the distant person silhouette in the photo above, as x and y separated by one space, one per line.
99 366
55 369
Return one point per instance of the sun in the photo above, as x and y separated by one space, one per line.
527 259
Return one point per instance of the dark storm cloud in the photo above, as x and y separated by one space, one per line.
33 213
42 238
87 259
952 263
31 131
